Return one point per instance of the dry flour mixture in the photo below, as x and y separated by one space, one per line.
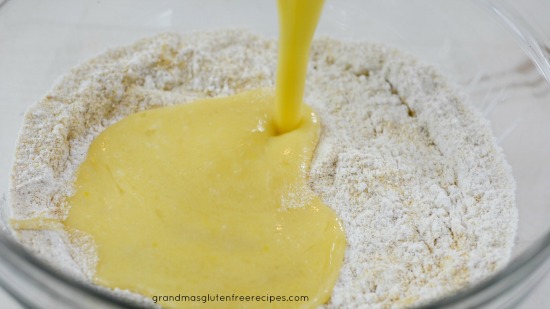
413 171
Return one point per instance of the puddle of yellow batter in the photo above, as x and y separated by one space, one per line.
193 199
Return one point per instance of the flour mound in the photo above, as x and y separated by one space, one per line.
413 171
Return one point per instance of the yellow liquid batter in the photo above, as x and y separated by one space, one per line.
297 22
211 198
189 199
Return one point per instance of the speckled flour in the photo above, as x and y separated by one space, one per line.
424 193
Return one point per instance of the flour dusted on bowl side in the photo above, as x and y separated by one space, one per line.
423 191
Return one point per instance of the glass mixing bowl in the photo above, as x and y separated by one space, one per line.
496 50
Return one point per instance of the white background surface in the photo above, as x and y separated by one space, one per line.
540 298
